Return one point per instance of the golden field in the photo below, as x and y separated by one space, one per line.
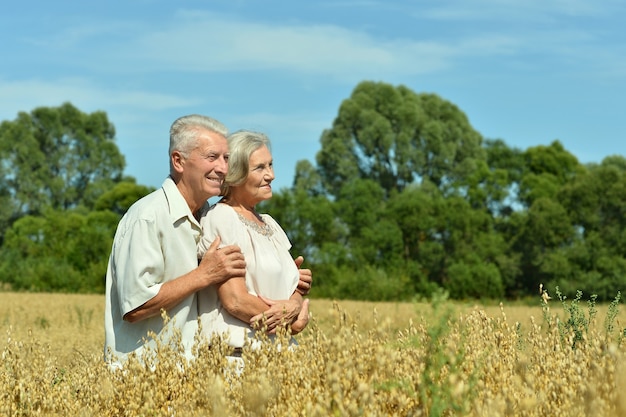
354 359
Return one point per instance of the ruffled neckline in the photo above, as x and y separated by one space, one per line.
263 230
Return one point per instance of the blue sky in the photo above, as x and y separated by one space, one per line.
528 72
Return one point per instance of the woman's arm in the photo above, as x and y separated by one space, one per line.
241 304
237 301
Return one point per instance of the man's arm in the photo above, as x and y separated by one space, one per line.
302 320
215 267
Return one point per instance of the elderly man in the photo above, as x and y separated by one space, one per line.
153 264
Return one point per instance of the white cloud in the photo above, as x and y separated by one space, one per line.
25 95
208 42
515 10
291 129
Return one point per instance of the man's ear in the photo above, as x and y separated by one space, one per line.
178 161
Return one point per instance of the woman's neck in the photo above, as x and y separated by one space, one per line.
245 209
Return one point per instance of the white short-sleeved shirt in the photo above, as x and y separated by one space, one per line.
270 269
155 242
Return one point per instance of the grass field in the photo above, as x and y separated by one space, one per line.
355 358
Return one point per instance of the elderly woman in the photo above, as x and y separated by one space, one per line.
269 288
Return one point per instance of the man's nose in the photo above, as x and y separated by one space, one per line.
222 165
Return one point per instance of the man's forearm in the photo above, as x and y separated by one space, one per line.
169 296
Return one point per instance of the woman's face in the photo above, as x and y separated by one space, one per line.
260 175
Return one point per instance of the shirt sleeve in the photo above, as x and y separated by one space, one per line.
222 221
281 236
139 264
206 237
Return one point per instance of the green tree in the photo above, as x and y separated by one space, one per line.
449 244
595 203
546 169
413 195
50 157
119 198
534 224
540 233
61 250
506 167
396 137
406 191
373 237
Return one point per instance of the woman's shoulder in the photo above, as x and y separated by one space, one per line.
221 209
268 219
219 214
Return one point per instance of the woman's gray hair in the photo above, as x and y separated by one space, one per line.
184 132
241 145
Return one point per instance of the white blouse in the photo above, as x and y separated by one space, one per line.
270 268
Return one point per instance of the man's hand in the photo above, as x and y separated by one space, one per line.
303 319
306 277
219 264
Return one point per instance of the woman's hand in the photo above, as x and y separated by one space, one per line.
280 312
305 278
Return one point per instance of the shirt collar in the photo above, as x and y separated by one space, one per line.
177 204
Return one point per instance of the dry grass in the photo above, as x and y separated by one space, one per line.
355 358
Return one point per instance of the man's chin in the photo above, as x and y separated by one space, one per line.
214 189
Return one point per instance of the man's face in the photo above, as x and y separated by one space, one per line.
205 168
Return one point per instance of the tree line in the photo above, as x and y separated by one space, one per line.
404 198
